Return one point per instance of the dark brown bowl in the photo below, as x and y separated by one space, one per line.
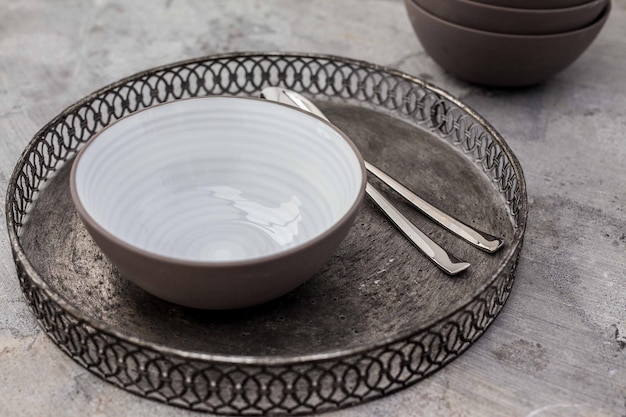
497 59
514 21
534 4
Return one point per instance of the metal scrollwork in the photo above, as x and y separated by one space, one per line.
278 387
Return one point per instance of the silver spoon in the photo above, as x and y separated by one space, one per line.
447 262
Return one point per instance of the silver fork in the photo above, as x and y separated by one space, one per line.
432 250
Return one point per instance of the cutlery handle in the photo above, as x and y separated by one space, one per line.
433 251
481 240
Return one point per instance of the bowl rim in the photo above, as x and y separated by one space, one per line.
531 12
525 8
246 262
598 21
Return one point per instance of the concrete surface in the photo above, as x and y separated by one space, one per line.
558 347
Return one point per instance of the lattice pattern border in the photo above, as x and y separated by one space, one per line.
290 386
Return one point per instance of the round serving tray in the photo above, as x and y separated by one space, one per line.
377 318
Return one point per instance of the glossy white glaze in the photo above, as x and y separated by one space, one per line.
218 179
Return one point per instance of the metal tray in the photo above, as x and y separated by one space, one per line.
378 317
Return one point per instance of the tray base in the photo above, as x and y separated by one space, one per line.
376 286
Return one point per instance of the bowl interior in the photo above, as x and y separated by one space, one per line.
217 179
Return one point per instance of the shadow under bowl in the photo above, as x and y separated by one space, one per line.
496 59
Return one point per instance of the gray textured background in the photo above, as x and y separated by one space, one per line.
558 347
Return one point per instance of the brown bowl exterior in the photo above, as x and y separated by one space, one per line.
219 287
495 59
534 4
514 21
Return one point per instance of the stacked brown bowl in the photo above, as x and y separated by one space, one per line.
506 43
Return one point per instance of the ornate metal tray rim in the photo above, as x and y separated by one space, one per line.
267 360
287 384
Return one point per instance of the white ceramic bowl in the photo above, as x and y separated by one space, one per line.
218 202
